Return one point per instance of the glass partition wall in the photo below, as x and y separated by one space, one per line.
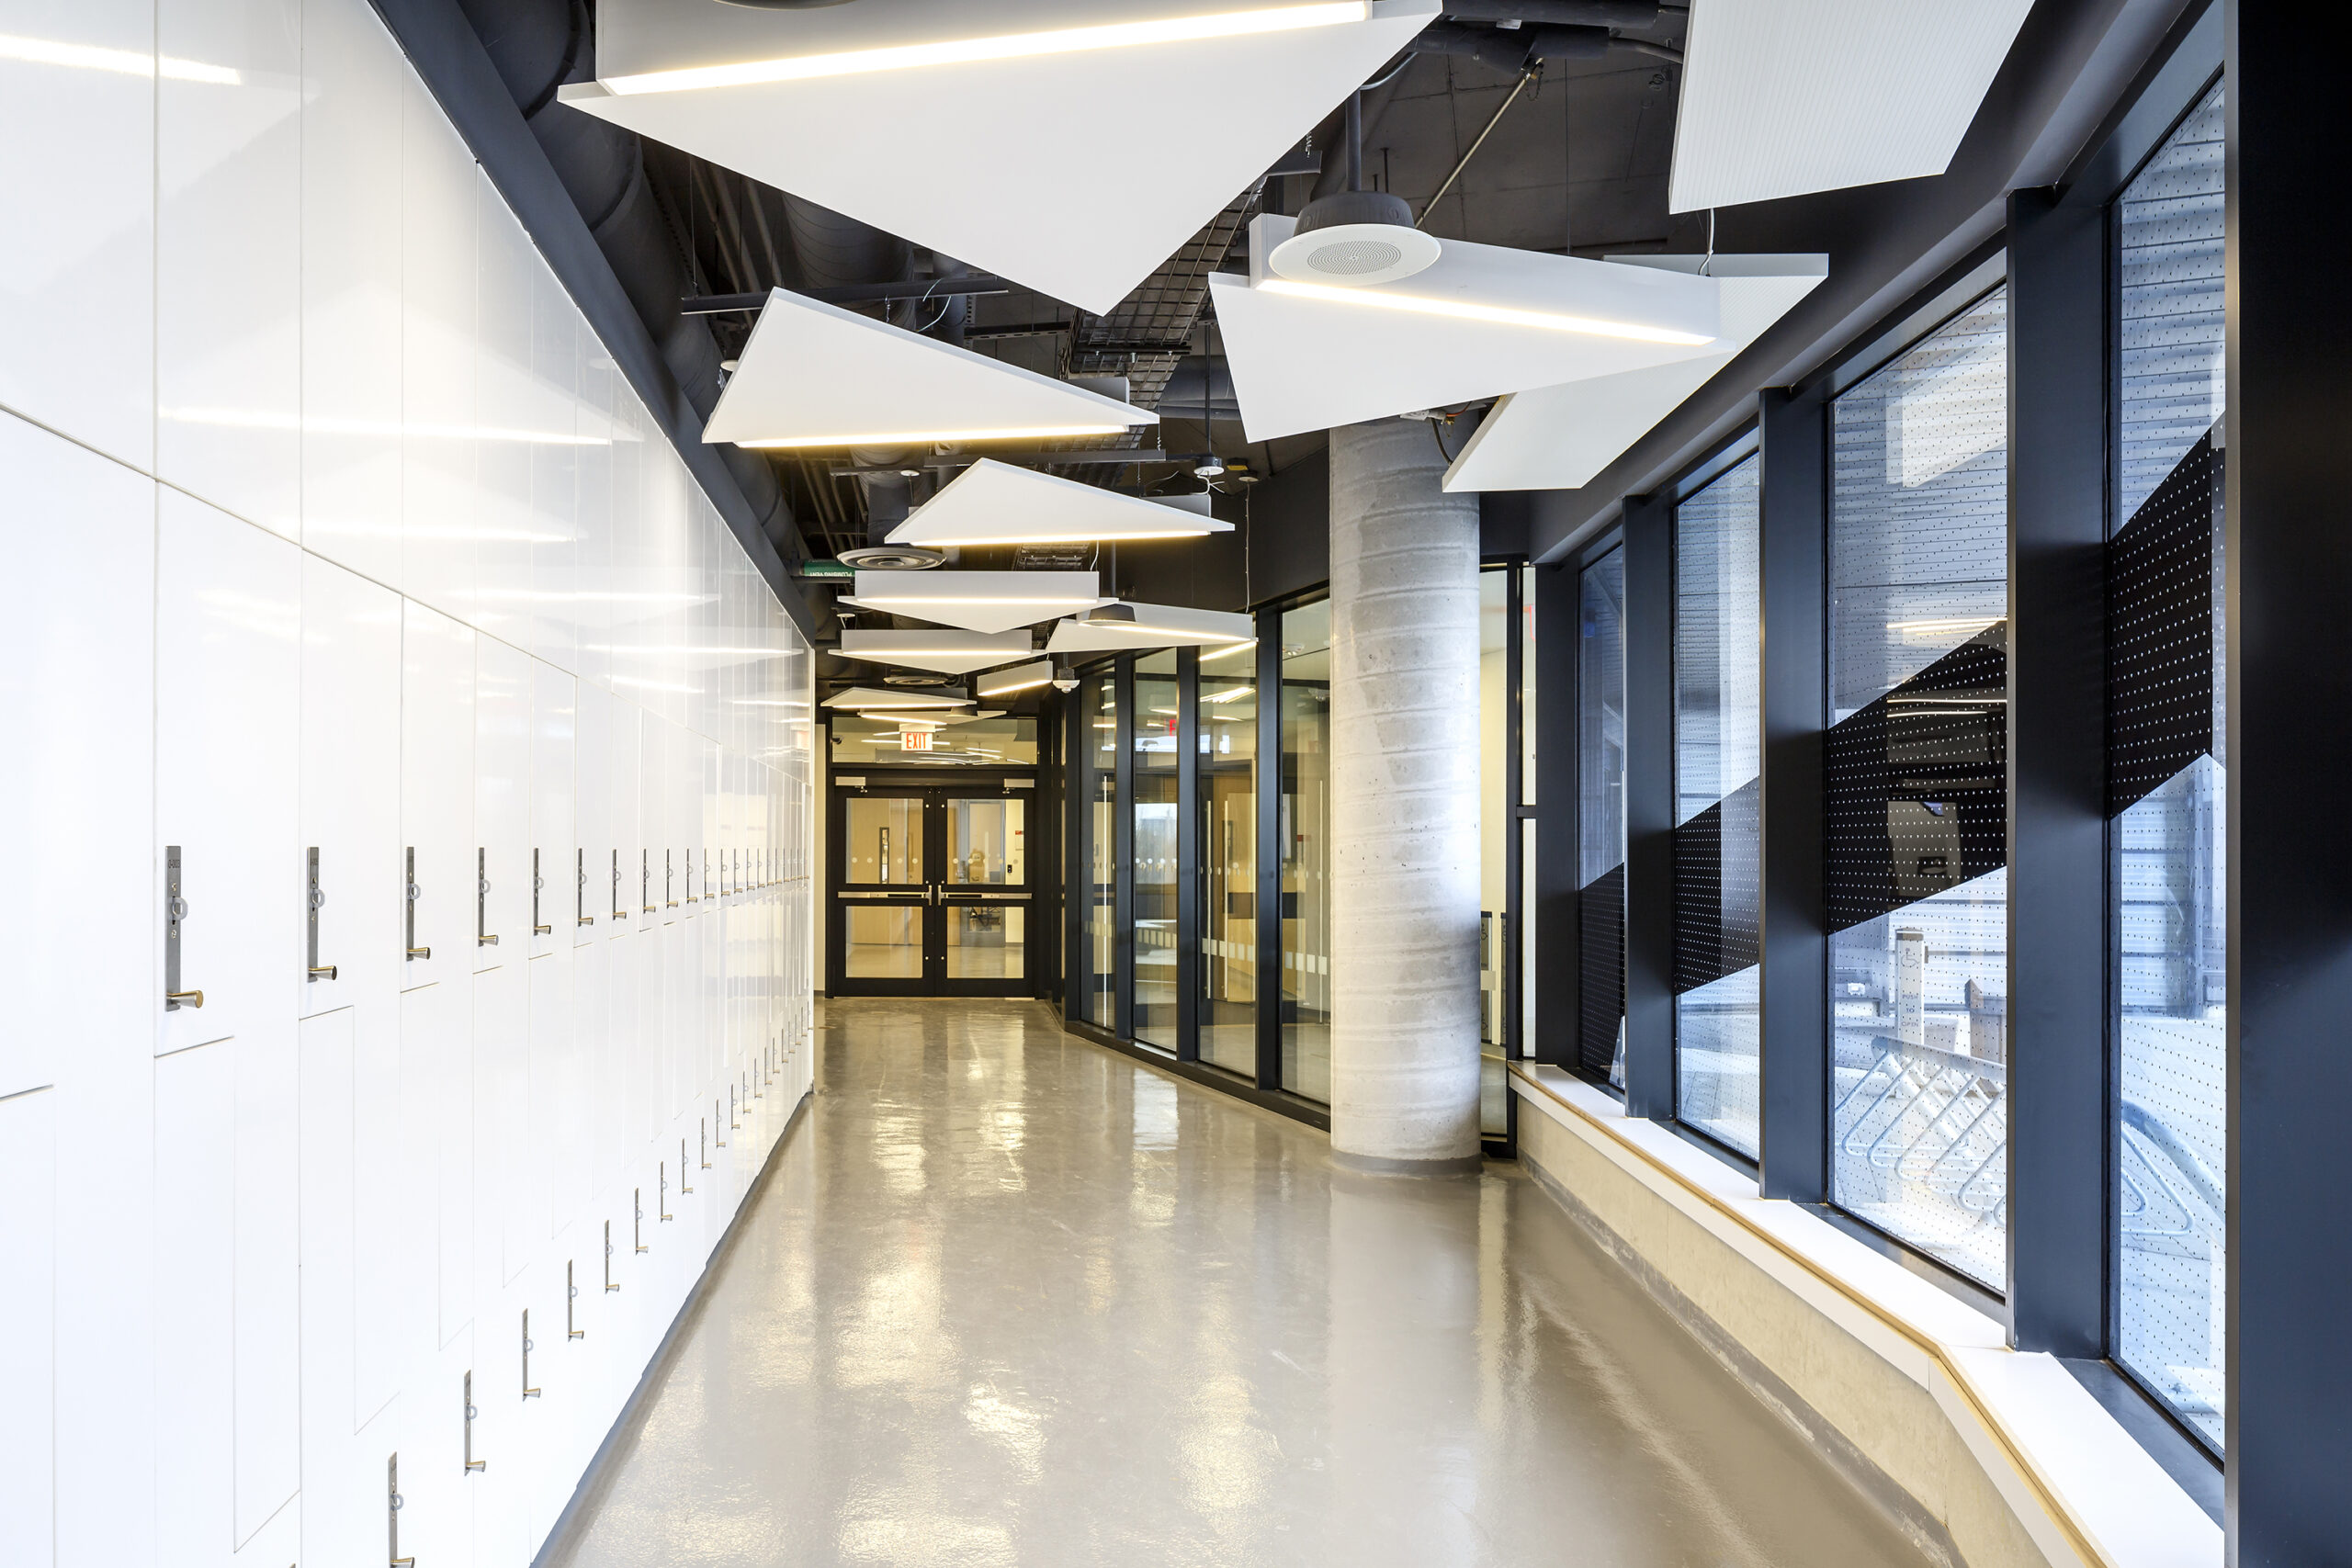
1241 987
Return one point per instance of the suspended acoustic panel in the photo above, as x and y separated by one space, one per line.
1781 97
954 125
1482 321
1155 625
875 697
949 652
995 503
815 375
1559 437
977 600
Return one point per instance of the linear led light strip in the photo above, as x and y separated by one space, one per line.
1229 652
914 601
1013 46
1142 629
916 703
1077 537
1463 311
917 437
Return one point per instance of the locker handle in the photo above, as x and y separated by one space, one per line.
393 1503
528 1391
420 953
184 999
541 930
587 920
322 972
486 940
472 1463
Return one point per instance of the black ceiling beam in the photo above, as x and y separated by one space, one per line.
853 294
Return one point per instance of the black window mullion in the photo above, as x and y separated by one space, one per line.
1269 900
1649 806
1123 858
1559 999
1188 853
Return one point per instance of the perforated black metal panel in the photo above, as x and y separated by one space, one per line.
1716 889
1918 792
2160 632
1601 968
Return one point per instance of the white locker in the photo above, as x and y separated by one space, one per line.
77 663
351 289
503 1161
436 1038
558 338
195 1252
506 530
553 886
350 790
591 917
27 1324
341 1496
439 508
431 1442
436 795
502 802
227 716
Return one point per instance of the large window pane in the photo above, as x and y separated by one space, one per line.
1918 809
1306 837
2165 702
1229 804
1718 739
1154 868
1494 828
1601 817
1097 801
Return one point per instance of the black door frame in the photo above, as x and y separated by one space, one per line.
934 787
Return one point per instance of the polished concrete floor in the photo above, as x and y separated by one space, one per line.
1013 1299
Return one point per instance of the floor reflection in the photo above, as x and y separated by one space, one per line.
1015 1299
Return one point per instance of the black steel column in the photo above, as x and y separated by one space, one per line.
1649 806
1267 824
1078 865
1123 857
1188 854
1793 977
1558 996
1515 915
2289 754
2058 989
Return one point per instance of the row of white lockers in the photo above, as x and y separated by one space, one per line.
258 1250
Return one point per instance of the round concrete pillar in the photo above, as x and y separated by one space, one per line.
1404 801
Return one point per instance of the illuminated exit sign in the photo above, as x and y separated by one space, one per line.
914 740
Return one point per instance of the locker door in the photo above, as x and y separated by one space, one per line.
558 1116
501 803
623 976
554 883
228 707
350 786
430 1440
588 901
27 1320
341 1492
196 1251
503 1161
436 795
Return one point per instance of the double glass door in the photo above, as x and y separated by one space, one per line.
931 892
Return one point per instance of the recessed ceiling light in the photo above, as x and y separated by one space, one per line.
1462 310
1013 46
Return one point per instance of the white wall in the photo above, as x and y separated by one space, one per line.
328 523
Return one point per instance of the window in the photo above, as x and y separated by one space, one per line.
1494 829
1718 739
1305 834
2168 785
1155 849
1917 811
1097 799
1601 817
1227 760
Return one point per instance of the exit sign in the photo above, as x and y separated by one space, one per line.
914 740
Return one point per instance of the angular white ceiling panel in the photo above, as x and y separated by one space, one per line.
949 652
815 375
995 503
879 697
1559 437
1021 137
1156 626
1781 97
1306 362
977 600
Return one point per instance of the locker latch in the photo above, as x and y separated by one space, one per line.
313 904
174 911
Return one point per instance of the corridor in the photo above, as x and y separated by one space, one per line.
1063 1309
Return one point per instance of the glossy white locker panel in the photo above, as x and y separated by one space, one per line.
351 289
196 1299
502 802
591 918
437 792
341 1500
429 1438
513 424
228 257
76 677
628 826
557 1087
351 789
437 1043
392 1209
601 472
555 885
80 223
27 1324
505 1162
228 619
439 515
557 339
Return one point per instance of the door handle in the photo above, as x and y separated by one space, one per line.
472 1463
392 1501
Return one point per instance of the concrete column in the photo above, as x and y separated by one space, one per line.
1403 801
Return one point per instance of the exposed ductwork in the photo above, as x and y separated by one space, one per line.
538 46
